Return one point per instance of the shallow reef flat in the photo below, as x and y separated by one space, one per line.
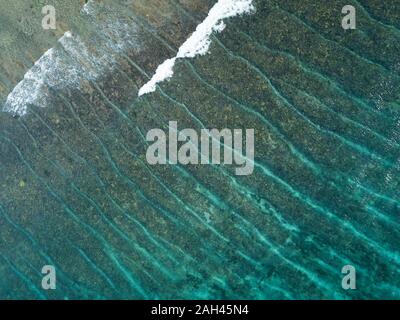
78 193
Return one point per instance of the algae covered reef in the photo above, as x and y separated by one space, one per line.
77 192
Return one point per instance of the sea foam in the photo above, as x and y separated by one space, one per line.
199 42
73 60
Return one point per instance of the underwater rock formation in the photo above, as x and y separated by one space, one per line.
77 192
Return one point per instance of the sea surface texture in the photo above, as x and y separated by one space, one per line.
77 193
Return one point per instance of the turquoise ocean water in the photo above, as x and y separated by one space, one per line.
76 191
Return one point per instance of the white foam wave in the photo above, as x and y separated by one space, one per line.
72 61
199 42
